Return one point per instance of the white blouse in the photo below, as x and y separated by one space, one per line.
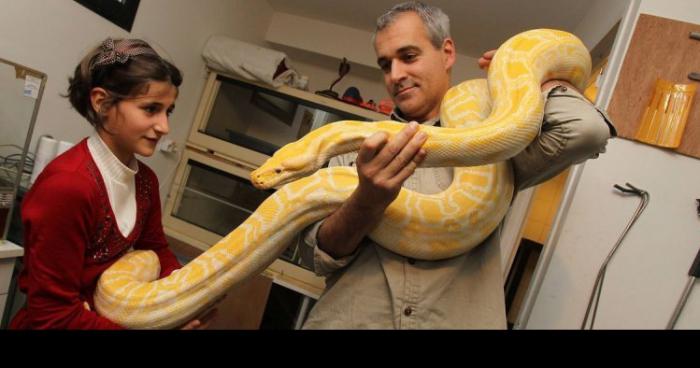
119 180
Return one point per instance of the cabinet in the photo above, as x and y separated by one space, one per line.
8 253
238 125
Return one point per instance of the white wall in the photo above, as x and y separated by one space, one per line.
52 36
648 273
315 48
683 10
600 18
321 37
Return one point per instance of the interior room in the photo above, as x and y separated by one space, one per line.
260 74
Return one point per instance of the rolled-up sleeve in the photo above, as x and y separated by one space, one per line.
311 255
573 130
321 262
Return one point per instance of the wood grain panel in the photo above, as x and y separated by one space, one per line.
660 48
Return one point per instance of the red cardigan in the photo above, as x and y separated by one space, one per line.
71 237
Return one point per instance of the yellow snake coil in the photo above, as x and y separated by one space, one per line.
483 126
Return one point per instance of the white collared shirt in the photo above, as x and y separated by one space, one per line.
119 180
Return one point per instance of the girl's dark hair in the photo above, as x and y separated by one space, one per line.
123 68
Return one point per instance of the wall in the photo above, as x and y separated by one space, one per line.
648 273
315 48
52 36
15 111
600 17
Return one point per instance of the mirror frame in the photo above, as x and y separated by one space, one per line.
27 140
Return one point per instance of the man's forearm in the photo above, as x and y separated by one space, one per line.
343 230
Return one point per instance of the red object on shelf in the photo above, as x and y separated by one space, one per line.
386 106
352 100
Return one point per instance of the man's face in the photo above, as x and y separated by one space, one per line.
416 74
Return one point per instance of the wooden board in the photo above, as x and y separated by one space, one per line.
660 48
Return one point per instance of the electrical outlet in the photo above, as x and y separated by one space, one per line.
167 145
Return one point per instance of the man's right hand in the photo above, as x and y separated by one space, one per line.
382 167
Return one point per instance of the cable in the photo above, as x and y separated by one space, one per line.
598 286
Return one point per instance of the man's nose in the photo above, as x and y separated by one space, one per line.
398 71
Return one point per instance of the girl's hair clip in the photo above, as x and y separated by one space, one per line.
120 52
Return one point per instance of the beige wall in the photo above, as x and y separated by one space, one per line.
600 18
315 48
51 36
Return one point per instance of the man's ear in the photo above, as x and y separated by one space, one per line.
98 96
449 53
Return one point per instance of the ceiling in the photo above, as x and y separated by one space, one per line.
476 25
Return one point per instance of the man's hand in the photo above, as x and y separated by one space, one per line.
485 59
383 166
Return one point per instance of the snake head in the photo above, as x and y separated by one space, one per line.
279 170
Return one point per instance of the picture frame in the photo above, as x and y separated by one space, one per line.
119 12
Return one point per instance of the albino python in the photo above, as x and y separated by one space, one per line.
477 130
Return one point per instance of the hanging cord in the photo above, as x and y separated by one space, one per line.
598 287
693 274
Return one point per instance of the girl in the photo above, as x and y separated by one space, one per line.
93 203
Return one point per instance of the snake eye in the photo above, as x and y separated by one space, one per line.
278 171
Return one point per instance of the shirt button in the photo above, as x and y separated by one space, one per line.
408 311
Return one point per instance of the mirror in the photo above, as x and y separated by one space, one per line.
21 89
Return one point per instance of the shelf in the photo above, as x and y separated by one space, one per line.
247 121
199 239
314 99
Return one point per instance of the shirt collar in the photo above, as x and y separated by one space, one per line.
398 116
108 162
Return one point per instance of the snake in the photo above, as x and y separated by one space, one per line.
484 122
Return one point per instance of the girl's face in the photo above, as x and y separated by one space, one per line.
134 125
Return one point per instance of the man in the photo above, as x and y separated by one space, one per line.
368 286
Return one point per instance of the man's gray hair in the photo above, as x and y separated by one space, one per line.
436 22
